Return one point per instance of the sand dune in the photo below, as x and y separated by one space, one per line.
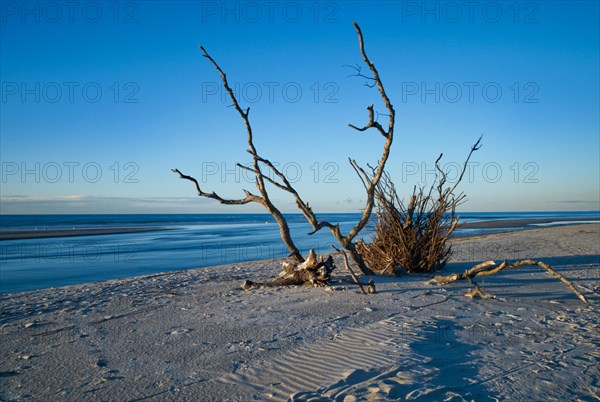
194 335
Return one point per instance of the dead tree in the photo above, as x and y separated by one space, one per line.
279 180
414 237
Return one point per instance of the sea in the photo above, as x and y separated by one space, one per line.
189 241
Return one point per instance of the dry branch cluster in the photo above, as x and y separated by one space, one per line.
414 237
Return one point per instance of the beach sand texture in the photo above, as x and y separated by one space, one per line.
195 335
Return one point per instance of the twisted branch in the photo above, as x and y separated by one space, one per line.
249 197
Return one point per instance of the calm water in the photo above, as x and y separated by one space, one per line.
193 241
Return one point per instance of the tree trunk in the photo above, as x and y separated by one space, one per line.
358 259
284 231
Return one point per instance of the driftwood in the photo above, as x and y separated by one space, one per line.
490 267
312 272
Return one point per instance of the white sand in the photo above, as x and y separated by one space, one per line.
195 335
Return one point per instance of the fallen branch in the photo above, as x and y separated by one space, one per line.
468 274
477 291
490 267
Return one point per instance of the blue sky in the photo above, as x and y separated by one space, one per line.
100 100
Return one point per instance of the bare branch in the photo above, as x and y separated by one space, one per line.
236 105
265 177
352 274
365 175
249 197
474 148
389 135
369 182
263 199
371 124
360 173
359 73
244 115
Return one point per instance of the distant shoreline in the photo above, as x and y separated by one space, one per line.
42 233
522 223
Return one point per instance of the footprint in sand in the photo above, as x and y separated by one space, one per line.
101 363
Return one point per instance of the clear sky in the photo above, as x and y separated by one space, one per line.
99 100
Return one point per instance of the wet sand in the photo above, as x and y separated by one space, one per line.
41 233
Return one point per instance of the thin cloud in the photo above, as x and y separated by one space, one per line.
578 202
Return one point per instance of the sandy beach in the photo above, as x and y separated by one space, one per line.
196 335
